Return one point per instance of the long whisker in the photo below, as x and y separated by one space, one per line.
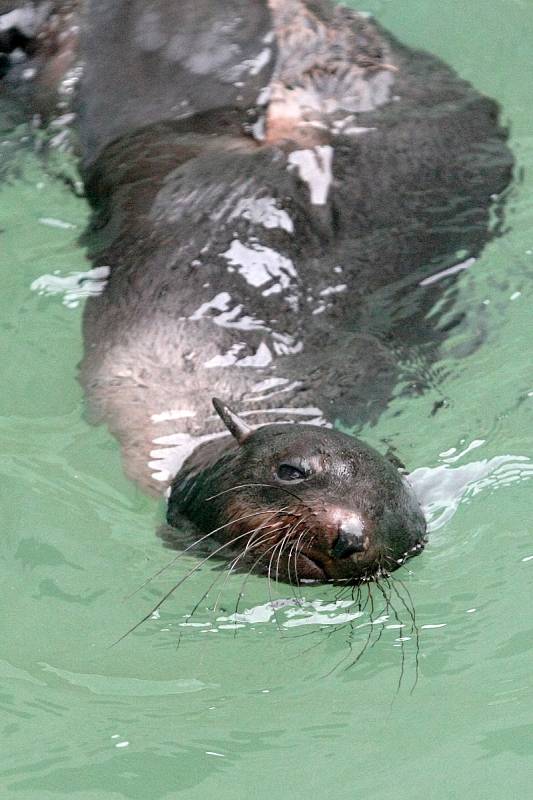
253 532
252 543
250 572
186 550
385 611
335 628
247 485
370 629
240 593
232 565
414 627
177 585
279 545
349 640
301 521
291 532
279 548
296 549
388 605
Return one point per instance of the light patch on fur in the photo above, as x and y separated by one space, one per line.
255 65
56 223
220 302
258 129
263 211
285 345
74 287
269 383
176 449
172 414
341 287
347 127
27 19
264 96
261 358
450 271
259 264
258 398
305 411
230 317
251 66
314 168
226 359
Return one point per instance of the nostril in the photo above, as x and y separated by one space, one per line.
350 539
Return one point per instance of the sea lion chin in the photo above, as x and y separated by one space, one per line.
300 502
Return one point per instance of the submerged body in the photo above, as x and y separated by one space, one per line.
273 184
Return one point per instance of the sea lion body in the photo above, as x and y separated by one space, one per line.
269 209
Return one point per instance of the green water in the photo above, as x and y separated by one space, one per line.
264 710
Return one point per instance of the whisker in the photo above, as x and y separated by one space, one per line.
250 545
349 640
250 572
414 627
205 594
187 549
370 629
177 585
294 549
232 566
400 623
249 485
294 527
280 545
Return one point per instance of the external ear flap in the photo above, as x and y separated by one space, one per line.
235 425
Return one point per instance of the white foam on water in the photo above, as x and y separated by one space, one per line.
74 287
441 489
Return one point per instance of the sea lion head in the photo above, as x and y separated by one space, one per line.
302 503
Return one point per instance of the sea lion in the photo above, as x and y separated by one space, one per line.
273 185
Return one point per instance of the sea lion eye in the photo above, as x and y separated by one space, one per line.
292 472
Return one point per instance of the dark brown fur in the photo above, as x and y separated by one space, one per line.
196 116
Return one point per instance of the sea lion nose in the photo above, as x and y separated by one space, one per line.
349 540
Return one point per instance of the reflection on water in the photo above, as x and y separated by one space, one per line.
74 287
442 489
